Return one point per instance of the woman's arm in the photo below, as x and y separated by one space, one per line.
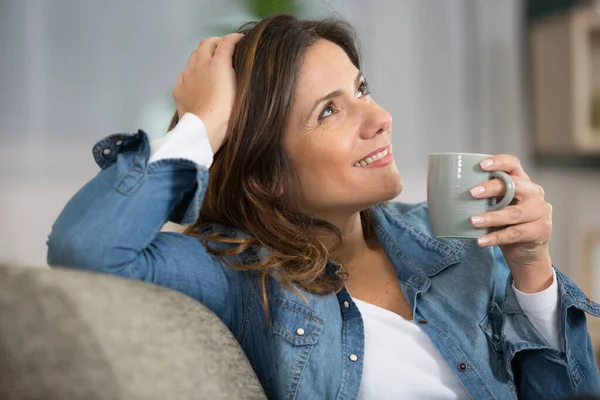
538 368
113 223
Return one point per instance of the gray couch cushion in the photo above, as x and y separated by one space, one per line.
68 334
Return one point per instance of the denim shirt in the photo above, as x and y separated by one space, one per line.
315 349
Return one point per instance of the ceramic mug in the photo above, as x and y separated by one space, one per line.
450 176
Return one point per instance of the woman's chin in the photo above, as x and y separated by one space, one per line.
389 191
393 192
391 187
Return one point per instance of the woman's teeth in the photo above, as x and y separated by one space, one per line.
372 159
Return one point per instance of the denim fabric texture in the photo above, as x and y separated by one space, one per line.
315 350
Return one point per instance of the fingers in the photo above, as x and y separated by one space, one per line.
511 215
192 60
535 232
528 222
214 47
504 162
206 48
204 51
524 189
224 51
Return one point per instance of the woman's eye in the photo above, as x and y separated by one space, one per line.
363 89
327 111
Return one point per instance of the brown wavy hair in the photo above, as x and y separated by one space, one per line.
251 176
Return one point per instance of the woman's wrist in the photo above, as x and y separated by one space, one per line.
533 277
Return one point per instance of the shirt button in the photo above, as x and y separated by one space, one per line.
119 142
106 152
353 357
462 367
422 322
300 332
346 304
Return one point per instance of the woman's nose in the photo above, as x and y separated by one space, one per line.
376 121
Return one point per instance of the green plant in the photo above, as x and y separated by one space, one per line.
264 8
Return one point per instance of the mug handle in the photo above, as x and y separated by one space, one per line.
510 190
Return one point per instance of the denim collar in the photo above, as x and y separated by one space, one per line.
414 246
405 242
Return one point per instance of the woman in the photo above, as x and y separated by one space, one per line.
331 291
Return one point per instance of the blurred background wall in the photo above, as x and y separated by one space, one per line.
453 73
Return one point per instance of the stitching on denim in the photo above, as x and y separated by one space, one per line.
458 350
428 239
403 224
128 189
300 309
576 294
269 378
392 243
575 370
107 142
179 163
443 263
345 367
247 311
293 382
446 261
283 331
301 313
483 325
303 367
359 370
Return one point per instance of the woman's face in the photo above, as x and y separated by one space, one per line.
338 139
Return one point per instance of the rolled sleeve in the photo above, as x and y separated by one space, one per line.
542 310
527 353
130 155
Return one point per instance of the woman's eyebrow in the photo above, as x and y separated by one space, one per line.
334 94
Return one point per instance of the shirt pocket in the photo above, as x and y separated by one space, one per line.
295 322
297 331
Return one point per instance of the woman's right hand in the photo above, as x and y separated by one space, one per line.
207 86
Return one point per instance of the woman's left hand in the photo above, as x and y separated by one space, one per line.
522 229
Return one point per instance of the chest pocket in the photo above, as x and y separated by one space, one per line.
297 330
295 322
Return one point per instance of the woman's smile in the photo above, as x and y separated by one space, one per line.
379 158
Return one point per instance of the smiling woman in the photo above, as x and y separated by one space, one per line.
280 161
289 157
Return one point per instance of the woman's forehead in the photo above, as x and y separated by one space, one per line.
326 61
326 68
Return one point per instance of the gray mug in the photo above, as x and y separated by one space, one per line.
450 176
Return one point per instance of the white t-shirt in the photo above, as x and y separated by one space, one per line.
401 362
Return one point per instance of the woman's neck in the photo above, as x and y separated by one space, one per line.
354 243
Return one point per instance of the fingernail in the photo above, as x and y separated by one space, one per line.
477 190
477 220
482 241
486 163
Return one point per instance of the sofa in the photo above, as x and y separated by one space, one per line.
68 334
